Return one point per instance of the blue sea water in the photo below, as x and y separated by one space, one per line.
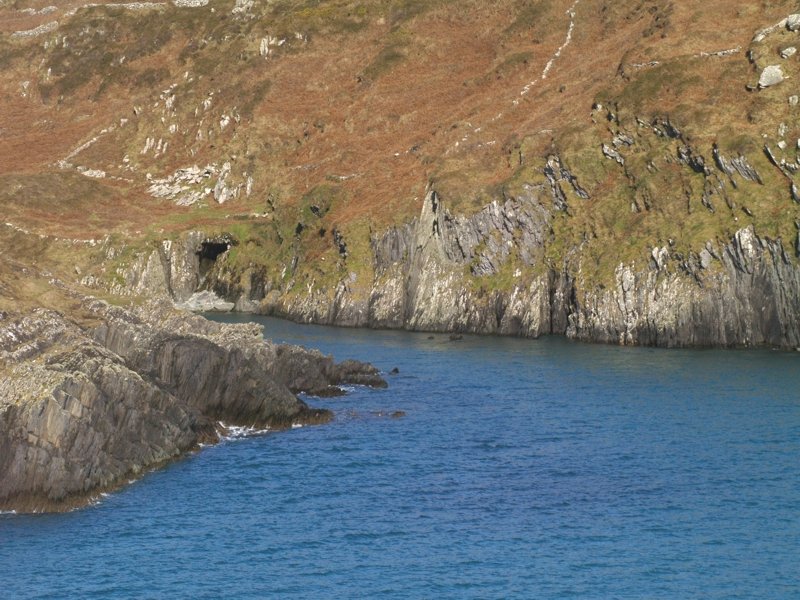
522 469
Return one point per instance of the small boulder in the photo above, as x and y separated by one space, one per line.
788 52
794 100
793 22
772 75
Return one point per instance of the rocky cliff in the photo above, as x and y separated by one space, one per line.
614 172
490 273
743 292
85 408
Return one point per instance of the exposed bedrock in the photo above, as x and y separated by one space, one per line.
84 408
489 273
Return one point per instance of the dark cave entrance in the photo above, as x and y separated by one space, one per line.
208 254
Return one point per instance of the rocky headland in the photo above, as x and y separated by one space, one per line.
615 172
84 408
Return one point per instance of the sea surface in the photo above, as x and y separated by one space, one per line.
521 469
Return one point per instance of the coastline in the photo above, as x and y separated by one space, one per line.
85 409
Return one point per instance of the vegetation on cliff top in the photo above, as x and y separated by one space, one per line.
323 123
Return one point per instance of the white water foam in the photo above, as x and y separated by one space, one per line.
236 432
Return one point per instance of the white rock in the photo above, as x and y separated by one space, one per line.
242 7
793 22
772 75
788 52
206 301
794 100
36 31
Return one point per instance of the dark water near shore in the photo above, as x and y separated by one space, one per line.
528 469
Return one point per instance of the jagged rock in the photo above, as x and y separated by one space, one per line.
751 298
665 128
556 172
793 22
696 162
788 52
660 258
84 409
738 165
185 186
771 75
311 372
175 269
761 35
609 152
622 139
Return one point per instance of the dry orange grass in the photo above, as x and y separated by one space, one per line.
445 107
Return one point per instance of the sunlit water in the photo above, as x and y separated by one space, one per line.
527 469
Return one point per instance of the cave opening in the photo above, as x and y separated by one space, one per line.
208 254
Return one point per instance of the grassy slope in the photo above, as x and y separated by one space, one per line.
367 102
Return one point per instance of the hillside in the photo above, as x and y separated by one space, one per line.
614 171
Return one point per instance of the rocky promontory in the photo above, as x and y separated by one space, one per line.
88 404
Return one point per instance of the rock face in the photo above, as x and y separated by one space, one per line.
85 408
743 293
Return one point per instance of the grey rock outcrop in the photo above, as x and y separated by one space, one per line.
743 292
85 408
171 270
491 271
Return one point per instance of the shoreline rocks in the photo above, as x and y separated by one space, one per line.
86 408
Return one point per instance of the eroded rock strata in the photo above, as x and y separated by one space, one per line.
86 407
432 274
